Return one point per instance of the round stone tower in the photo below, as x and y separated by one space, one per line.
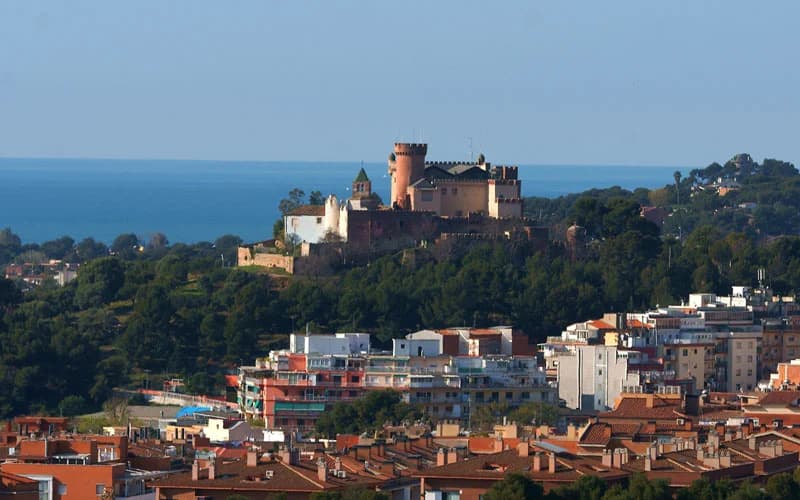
332 215
406 166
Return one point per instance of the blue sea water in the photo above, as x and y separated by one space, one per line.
189 201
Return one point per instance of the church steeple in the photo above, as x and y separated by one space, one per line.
362 186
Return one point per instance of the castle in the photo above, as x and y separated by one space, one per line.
430 202
452 189
436 189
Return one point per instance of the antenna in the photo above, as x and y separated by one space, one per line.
470 149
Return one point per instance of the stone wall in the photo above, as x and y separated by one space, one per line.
249 257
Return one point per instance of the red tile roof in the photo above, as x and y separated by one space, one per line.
601 325
309 210
780 398
637 407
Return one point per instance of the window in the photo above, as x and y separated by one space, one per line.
455 190
427 195
509 395
686 352
99 488
444 191
319 220
354 379
600 371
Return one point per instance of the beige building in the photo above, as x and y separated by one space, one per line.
452 189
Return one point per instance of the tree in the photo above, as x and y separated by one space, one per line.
59 248
295 199
89 249
677 177
10 245
538 412
98 282
514 486
157 241
126 245
316 198
782 486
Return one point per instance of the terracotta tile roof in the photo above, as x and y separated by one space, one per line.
636 407
495 466
235 475
487 444
309 210
625 429
601 325
635 323
596 434
780 398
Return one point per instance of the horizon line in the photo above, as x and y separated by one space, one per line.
356 162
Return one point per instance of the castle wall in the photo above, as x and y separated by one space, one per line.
463 197
389 229
248 257
504 198
426 200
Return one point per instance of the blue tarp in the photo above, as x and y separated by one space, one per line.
191 410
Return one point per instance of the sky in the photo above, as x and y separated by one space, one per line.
526 82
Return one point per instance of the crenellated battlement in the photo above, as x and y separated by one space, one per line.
410 149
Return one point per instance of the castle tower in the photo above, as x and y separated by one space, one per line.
332 215
362 186
406 166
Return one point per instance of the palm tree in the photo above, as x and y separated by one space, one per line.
677 176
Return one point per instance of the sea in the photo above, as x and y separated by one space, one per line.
191 201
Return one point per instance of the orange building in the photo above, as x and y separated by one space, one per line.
452 189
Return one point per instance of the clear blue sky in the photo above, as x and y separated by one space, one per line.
634 82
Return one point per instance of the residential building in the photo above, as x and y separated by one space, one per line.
591 377
290 389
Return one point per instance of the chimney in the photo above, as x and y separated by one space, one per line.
713 439
712 460
440 458
648 463
728 436
537 462
778 447
452 456
498 443
625 456
337 464
724 458
652 451
700 453
552 463
252 458
616 458
195 470
212 470
572 432
522 449
322 470
607 459
751 443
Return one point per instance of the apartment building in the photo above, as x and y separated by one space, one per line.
290 389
